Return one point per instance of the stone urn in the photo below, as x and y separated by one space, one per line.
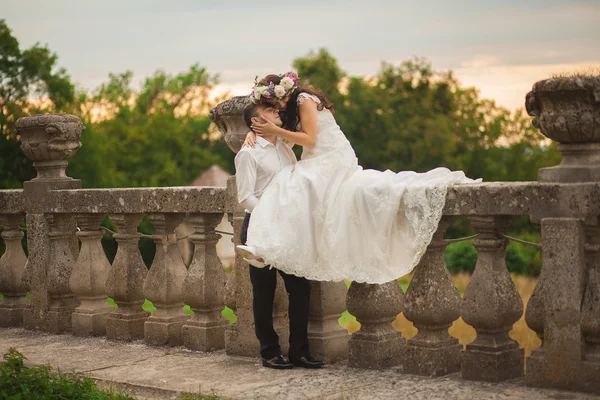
567 110
228 116
50 140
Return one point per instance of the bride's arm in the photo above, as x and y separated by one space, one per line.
307 137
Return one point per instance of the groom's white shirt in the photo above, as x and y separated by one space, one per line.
256 166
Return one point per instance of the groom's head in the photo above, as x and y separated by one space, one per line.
253 112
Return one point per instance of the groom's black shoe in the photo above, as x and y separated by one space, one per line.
279 362
307 362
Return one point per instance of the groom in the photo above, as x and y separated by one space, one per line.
255 168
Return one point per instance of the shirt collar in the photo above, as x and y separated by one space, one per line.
263 142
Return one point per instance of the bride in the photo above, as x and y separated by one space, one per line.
328 219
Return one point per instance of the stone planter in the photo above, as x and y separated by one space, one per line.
567 110
228 116
50 141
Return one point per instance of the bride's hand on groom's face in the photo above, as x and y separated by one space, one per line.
264 127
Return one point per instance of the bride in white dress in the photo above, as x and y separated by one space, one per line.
328 219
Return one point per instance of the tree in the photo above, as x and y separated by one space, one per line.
30 83
155 136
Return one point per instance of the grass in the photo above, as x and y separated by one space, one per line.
591 71
18 382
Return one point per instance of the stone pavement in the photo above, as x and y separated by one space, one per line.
164 373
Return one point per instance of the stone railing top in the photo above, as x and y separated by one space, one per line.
12 201
489 198
524 198
136 200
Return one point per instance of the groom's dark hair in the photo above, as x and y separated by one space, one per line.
250 112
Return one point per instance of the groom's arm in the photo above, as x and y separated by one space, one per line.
245 179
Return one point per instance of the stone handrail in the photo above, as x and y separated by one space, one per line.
69 286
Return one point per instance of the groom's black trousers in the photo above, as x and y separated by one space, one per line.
264 282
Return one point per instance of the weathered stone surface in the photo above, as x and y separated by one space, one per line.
590 309
12 201
125 282
567 110
61 261
204 288
377 344
50 140
88 279
327 339
240 339
524 198
228 116
432 303
163 284
493 356
12 266
562 299
164 373
138 200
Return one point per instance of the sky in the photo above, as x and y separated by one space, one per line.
500 46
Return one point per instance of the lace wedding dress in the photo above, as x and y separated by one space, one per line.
327 219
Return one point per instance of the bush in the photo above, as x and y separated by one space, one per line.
521 259
18 382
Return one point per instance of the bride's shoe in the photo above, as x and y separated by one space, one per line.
255 263
247 253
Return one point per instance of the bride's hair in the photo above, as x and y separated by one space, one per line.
291 117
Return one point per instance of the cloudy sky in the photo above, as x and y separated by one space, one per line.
500 46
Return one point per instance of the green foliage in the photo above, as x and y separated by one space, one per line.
30 83
521 259
18 382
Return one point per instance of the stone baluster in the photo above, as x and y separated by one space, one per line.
377 344
88 279
327 339
163 284
125 282
432 303
61 261
204 288
590 315
12 265
491 305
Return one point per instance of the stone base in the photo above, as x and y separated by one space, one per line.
241 342
479 365
330 347
11 316
431 361
540 375
204 336
126 327
569 174
31 319
385 352
90 323
164 331
58 321
283 333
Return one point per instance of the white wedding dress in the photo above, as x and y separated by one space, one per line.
327 219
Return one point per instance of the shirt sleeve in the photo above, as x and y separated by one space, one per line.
245 179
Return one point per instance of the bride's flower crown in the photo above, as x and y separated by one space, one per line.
289 83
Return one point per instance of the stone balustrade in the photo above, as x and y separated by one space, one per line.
69 284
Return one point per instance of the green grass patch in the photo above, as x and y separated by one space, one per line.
18 382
